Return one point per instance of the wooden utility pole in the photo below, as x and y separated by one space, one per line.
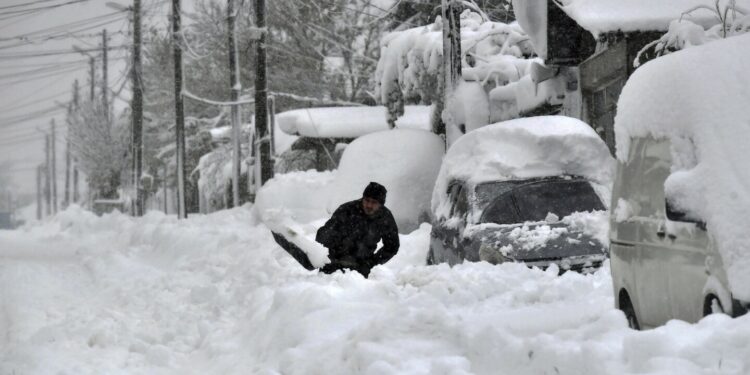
179 109
272 122
53 150
76 195
47 176
105 79
92 79
164 186
73 109
236 87
39 192
263 154
137 108
451 49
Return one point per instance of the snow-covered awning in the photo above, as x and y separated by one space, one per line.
349 122
601 16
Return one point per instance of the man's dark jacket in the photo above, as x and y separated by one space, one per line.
352 235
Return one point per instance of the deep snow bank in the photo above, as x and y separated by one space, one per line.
214 295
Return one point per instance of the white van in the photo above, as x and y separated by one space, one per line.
679 246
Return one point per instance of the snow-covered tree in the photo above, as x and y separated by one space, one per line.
496 62
100 148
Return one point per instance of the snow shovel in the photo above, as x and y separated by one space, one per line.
292 249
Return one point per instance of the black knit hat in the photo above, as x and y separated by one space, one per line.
375 191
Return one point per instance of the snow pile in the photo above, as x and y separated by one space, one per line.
521 149
601 16
496 68
535 238
536 234
405 161
304 195
214 295
348 122
698 98
594 224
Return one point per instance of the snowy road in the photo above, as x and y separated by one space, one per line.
215 295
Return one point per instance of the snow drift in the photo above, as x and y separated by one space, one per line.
405 161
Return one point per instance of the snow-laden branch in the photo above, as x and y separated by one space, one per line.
188 95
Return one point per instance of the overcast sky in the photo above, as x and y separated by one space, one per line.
33 84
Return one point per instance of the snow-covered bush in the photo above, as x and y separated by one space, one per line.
405 161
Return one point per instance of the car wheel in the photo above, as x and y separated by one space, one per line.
627 308
712 306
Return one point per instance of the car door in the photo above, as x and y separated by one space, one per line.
650 270
445 231
453 228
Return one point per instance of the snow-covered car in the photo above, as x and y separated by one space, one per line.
529 190
324 132
679 244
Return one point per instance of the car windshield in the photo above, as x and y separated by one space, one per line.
486 192
560 197
532 201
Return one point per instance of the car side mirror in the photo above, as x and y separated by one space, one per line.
674 214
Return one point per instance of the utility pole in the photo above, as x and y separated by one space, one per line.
272 122
39 192
73 109
263 154
451 49
76 195
92 78
234 82
53 150
47 176
179 109
105 79
137 108
164 186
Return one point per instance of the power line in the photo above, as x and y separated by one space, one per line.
37 71
25 5
67 26
16 13
30 54
12 106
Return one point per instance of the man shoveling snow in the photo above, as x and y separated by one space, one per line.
351 235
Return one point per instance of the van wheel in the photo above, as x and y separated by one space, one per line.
712 305
627 308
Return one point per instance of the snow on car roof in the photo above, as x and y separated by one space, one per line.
598 16
698 98
349 122
525 148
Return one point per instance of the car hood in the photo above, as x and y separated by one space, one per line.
535 241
